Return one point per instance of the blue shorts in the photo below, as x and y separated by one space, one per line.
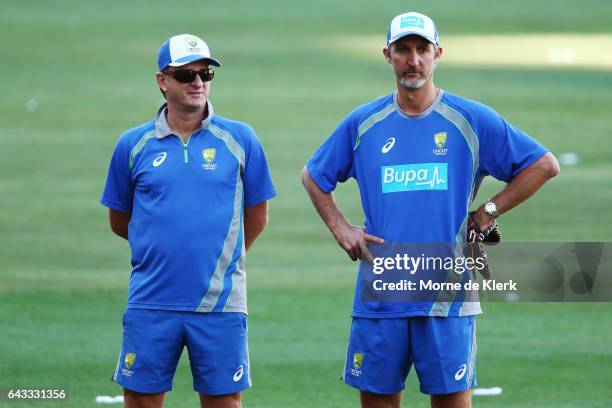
442 349
153 341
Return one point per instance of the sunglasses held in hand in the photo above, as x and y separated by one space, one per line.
186 76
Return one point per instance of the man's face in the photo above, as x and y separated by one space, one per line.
413 60
190 96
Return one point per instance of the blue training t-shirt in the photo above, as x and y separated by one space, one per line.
187 200
417 176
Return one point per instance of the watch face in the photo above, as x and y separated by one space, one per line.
490 208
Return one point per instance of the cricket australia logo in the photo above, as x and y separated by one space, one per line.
357 363
209 158
191 40
128 362
440 141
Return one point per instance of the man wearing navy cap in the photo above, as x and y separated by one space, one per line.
189 191
418 155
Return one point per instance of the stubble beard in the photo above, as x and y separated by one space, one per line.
412 84
416 83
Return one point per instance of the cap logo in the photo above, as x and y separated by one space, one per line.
191 41
412 21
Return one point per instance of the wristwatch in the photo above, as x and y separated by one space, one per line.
491 209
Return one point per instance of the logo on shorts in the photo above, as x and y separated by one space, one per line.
209 158
440 141
238 373
461 372
130 359
388 145
357 363
160 159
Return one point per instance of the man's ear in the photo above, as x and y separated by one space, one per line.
439 52
387 54
160 78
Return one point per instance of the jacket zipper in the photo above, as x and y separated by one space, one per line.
185 150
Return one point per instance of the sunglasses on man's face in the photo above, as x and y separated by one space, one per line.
186 76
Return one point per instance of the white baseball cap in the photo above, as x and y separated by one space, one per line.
183 49
412 23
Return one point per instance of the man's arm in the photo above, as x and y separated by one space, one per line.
522 186
351 238
119 222
255 220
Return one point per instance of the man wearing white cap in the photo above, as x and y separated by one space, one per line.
189 191
418 155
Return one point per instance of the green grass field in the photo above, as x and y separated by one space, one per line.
89 67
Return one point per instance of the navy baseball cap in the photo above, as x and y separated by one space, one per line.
183 49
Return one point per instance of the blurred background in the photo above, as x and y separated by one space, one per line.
77 74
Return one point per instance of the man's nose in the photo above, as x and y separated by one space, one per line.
197 81
413 58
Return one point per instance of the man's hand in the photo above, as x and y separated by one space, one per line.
477 236
354 240
483 229
486 231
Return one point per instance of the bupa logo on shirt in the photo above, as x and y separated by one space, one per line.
414 177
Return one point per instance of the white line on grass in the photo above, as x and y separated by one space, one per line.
105 399
487 391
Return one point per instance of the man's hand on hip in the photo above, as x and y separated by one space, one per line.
354 240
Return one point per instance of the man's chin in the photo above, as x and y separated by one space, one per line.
412 84
195 105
